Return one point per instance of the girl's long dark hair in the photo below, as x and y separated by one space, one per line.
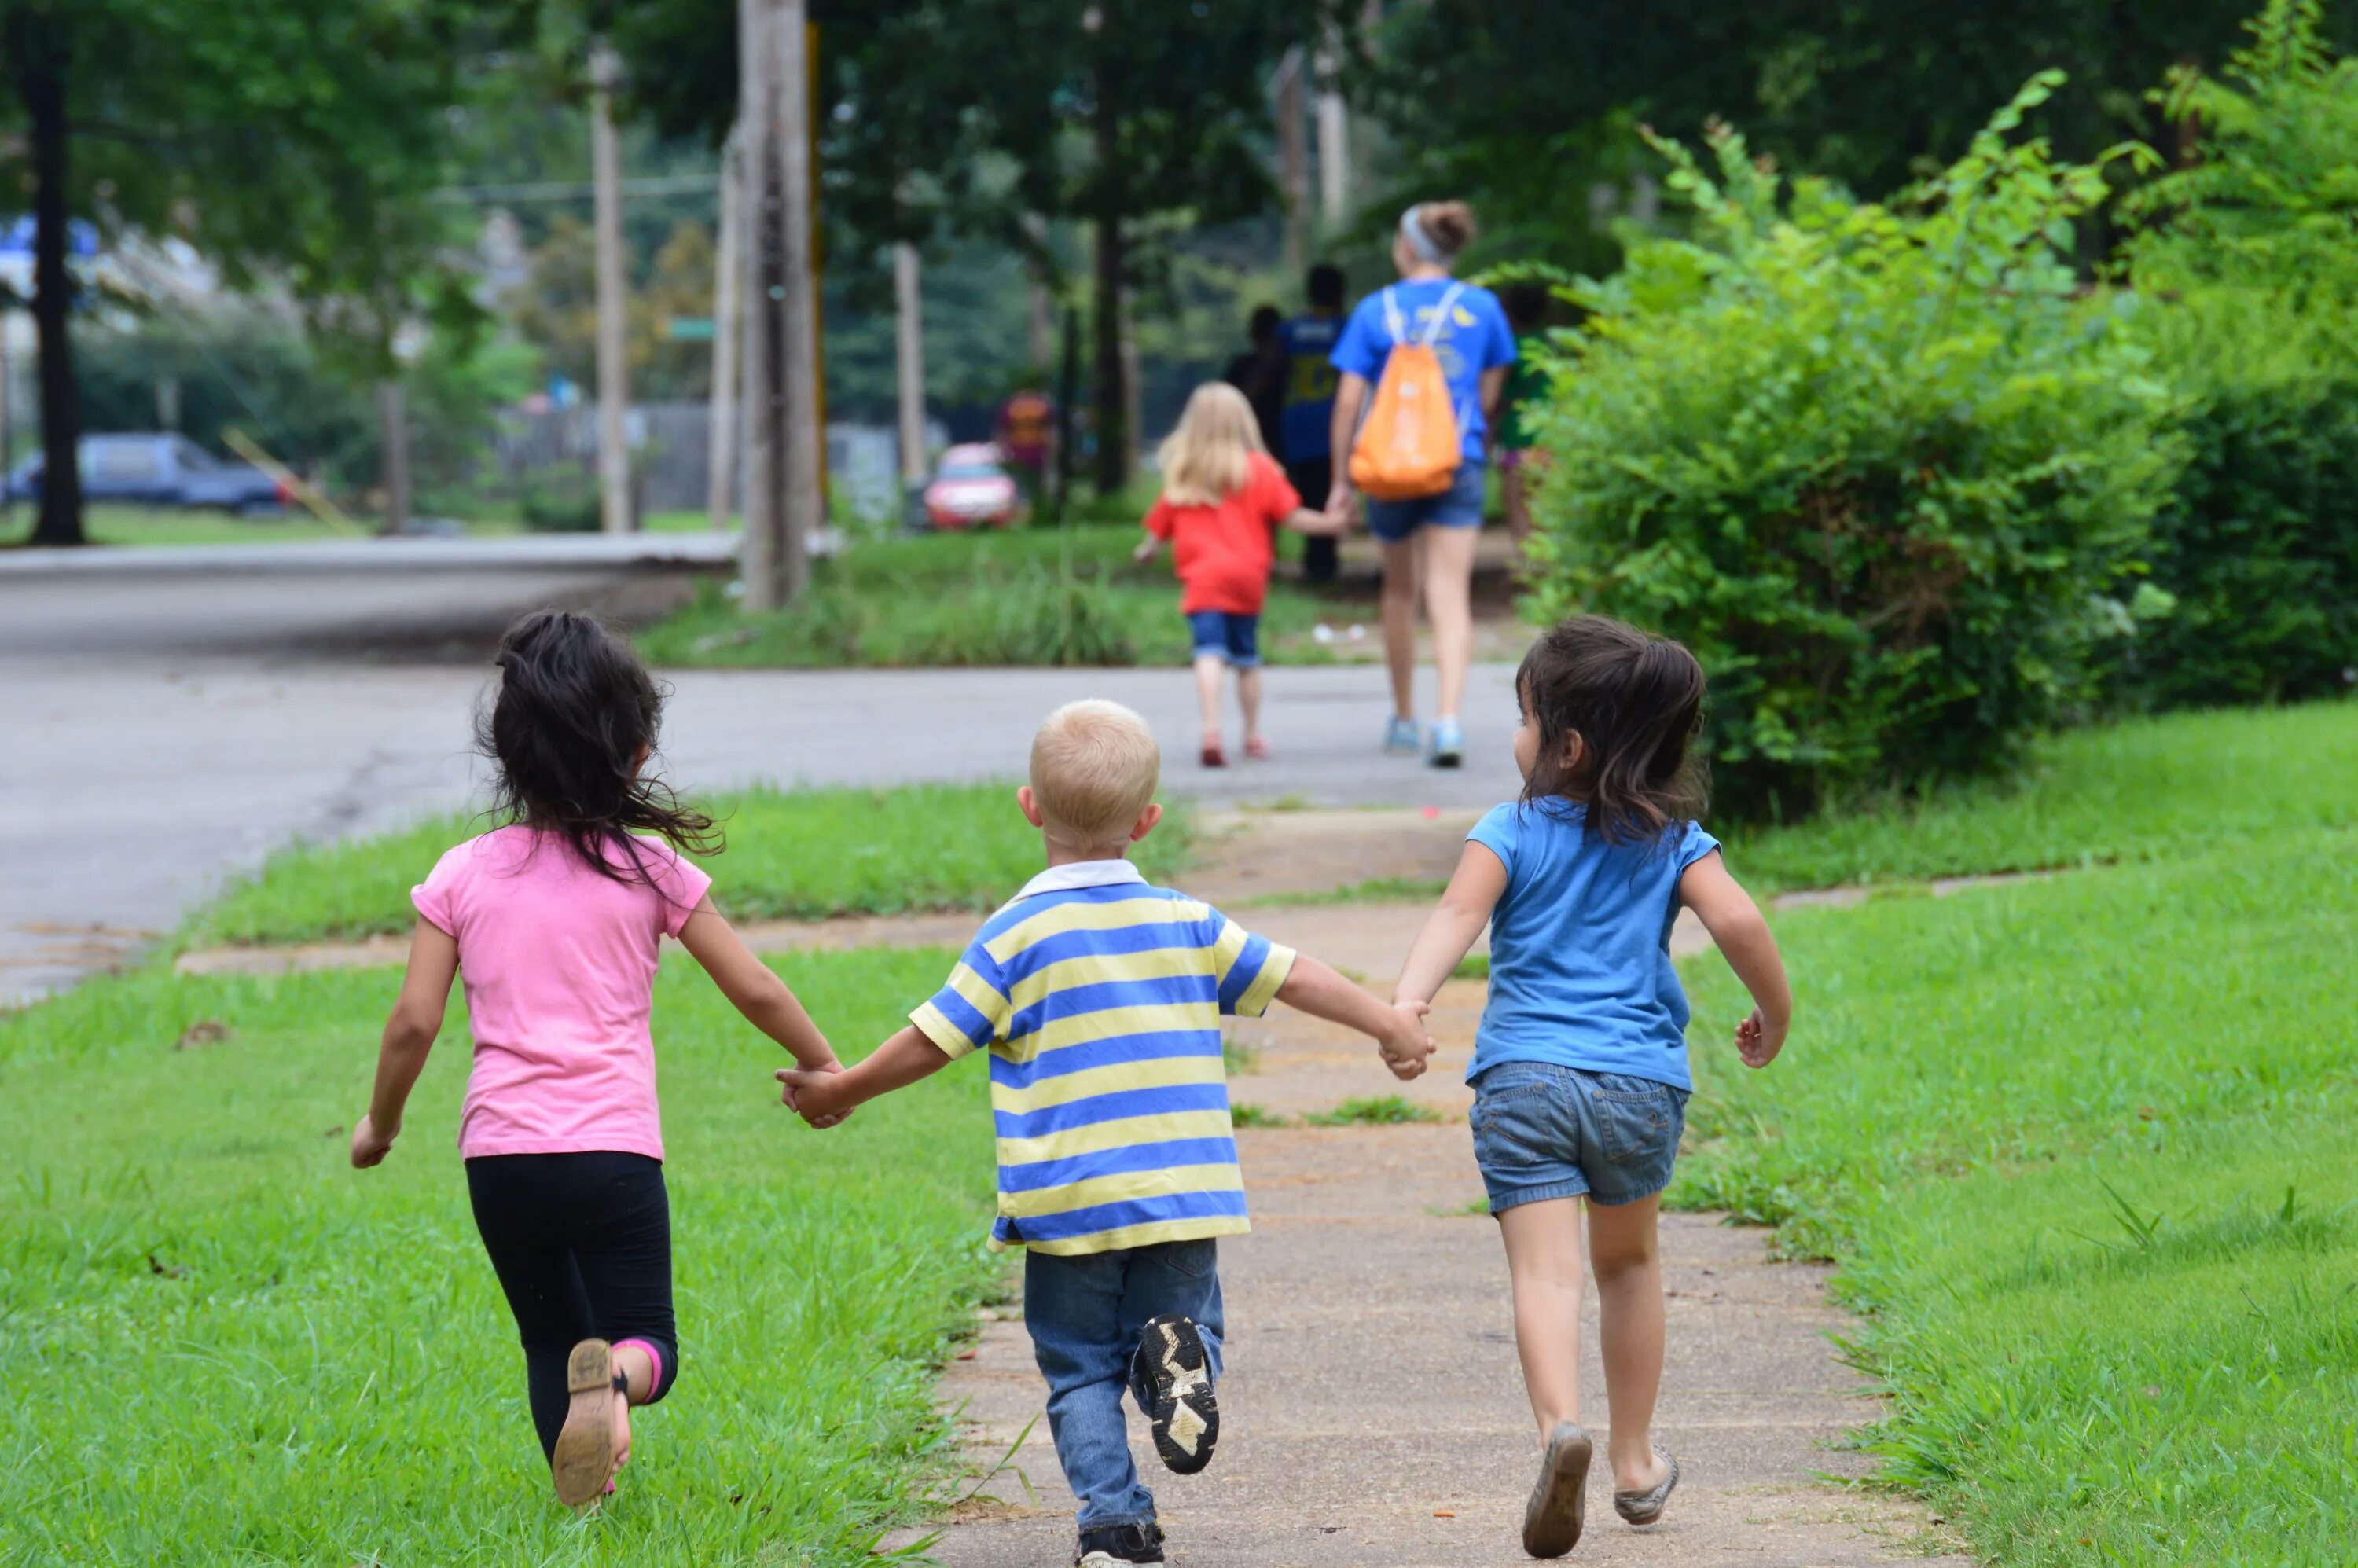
1636 702
574 711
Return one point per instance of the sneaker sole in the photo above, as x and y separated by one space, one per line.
1187 1416
584 1459
1554 1521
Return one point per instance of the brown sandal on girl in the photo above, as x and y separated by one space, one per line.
584 1460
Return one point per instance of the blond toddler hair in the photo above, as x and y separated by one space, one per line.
1095 766
1204 461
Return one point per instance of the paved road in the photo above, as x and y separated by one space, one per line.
164 734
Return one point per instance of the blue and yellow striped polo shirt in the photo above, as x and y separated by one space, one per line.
1101 1000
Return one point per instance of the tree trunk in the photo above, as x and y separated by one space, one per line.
1109 399
40 79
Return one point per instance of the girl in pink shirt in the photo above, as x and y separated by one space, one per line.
553 922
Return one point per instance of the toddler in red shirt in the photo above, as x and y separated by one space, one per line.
1223 498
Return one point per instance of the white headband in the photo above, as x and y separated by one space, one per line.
1422 242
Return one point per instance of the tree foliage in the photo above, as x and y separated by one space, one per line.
290 142
1879 466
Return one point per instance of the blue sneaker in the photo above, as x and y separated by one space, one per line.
1400 738
1448 744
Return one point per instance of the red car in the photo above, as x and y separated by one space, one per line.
972 489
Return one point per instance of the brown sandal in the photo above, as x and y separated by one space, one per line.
584 1460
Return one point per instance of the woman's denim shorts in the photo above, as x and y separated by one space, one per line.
1542 1132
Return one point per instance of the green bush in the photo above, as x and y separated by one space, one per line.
1882 468
2251 247
2258 547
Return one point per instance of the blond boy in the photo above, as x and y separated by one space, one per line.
1099 999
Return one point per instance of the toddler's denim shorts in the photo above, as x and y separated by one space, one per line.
1543 1132
1224 634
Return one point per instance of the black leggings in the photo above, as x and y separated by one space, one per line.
583 1244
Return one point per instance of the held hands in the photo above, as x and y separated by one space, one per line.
1406 1046
1342 506
1758 1041
810 1094
369 1146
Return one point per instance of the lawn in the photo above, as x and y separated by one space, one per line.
230 1347
800 854
173 525
1024 596
2085 1148
2142 789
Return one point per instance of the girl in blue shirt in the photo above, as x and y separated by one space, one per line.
1580 1068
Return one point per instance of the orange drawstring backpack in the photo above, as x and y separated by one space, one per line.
1408 446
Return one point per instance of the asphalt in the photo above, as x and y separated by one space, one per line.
164 734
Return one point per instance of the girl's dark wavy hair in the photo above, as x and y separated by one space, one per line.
574 710
1636 702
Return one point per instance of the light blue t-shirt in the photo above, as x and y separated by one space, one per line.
1580 954
1474 338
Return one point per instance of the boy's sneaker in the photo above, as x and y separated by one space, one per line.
1448 743
1119 1543
1400 738
1179 1381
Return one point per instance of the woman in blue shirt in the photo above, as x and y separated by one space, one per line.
1432 538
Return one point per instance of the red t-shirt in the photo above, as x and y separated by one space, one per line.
1224 553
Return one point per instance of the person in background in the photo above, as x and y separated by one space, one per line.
1428 540
1256 373
1223 500
1027 433
1527 309
1306 379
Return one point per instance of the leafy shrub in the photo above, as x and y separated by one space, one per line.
560 503
2258 547
1880 467
2251 247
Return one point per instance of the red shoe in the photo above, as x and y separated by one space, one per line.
1257 749
1213 756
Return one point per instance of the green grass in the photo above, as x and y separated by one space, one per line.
801 854
1376 890
2139 790
1244 1115
231 1348
1473 967
2049 1130
1380 1111
163 525
990 599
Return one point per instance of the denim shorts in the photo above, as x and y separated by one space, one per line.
1459 507
1543 1132
1220 634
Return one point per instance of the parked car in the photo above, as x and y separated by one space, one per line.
159 471
972 489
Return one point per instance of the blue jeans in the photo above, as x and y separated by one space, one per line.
1459 507
1224 634
1084 1314
1544 1132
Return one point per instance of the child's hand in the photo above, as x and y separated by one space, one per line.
1407 1047
809 1093
1147 548
1758 1041
369 1146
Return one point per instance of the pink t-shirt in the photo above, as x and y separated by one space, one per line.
559 963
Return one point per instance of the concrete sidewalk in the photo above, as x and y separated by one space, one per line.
1373 1415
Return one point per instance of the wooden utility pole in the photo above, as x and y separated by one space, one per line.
1334 143
1293 160
613 391
392 439
908 300
728 269
783 504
